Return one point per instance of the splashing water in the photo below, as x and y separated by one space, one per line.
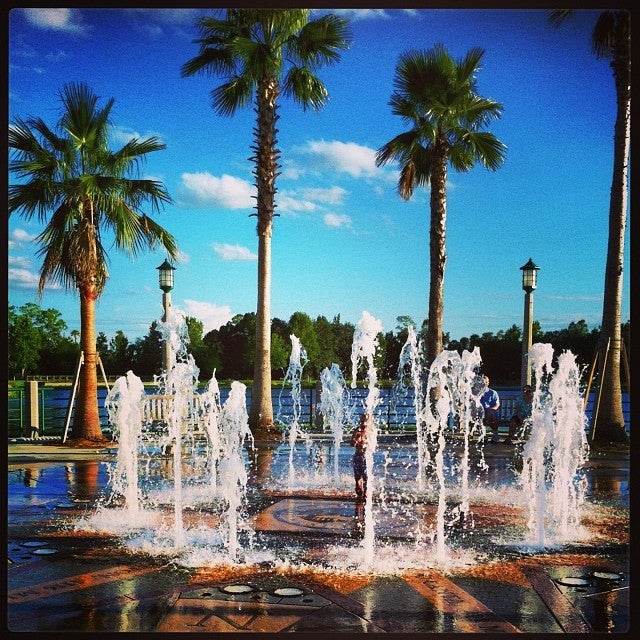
179 384
556 449
444 401
211 408
411 358
234 430
334 399
125 406
297 360
185 486
365 344
190 423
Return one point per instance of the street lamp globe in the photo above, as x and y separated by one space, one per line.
166 270
529 275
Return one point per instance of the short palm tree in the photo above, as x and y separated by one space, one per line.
262 53
436 96
73 183
611 40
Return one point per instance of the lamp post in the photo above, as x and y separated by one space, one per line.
165 272
529 276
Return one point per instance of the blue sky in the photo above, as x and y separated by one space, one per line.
344 241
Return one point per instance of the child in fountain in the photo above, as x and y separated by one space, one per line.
359 441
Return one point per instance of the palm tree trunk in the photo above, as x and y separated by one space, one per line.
266 170
609 426
261 412
86 420
438 256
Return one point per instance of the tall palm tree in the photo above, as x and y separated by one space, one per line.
262 53
611 40
437 97
73 183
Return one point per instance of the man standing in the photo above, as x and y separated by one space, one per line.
490 402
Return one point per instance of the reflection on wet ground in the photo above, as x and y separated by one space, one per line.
68 579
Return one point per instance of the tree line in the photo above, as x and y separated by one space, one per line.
40 344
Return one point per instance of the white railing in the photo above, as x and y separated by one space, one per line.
159 408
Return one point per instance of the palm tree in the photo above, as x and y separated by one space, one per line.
74 184
262 53
611 40
437 97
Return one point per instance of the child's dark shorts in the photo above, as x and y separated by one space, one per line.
359 465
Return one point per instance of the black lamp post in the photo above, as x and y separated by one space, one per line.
529 277
165 272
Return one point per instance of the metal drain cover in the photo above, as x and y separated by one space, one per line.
237 588
605 575
573 582
288 592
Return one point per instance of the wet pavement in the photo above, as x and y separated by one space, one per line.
61 578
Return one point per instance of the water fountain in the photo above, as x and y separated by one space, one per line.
333 406
297 360
556 448
212 435
183 491
365 343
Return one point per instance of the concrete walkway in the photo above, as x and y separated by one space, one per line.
61 579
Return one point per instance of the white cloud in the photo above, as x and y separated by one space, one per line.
21 262
23 279
287 204
292 172
234 252
227 191
122 135
21 236
58 19
57 56
337 220
345 157
361 14
332 195
183 258
211 315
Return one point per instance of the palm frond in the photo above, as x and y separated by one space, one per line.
78 187
320 41
305 88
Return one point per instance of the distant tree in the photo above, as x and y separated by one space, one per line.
121 354
195 331
210 360
280 352
37 343
611 40
577 338
437 97
343 341
81 189
304 329
261 53
24 341
102 344
238 340
393 347
147 352
326 344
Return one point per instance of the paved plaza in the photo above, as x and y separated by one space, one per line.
61 579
